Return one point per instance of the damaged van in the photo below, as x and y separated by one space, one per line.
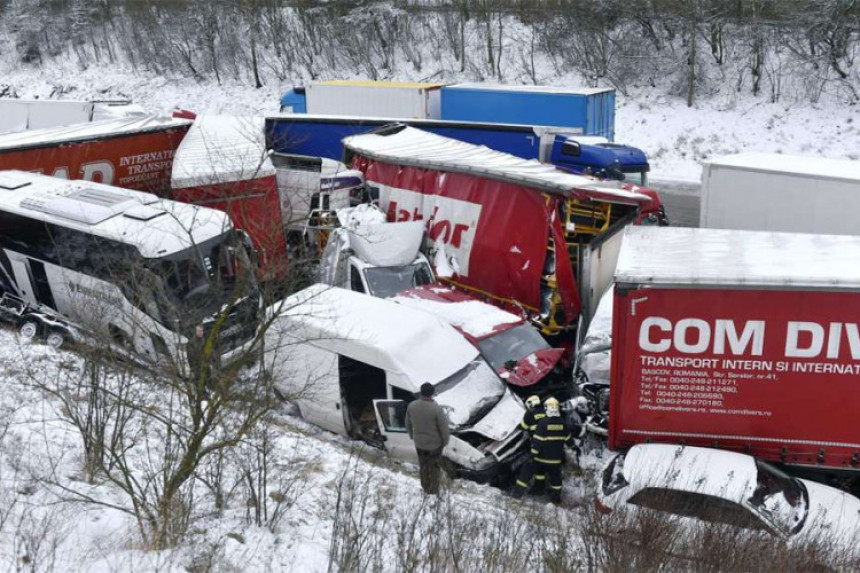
352 363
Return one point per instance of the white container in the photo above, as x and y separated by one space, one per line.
406 100
775 192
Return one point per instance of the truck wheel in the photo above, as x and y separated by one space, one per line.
29 329
55 339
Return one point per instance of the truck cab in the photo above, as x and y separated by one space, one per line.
367 255
599 157
512 346
311 190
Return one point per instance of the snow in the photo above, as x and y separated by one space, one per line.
376 331
679 256
675 137
222 149
475 318
440 260
537 89
718 473
472 394
36 443
360 215
86 131
387 244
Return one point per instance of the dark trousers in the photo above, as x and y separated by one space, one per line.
551 473
429 463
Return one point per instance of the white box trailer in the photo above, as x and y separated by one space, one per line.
786 193
407 100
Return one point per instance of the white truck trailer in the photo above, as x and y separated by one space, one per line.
413 100
785 193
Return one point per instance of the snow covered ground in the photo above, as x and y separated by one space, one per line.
675 137
40 467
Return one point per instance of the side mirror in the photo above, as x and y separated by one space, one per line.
383 437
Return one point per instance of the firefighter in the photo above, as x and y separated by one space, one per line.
548 441
534 413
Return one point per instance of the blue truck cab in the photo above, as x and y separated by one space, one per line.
294 101
597 156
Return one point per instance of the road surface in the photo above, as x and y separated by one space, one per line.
681 199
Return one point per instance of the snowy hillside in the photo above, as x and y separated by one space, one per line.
675 137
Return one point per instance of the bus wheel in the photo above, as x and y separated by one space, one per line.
55 339
29 329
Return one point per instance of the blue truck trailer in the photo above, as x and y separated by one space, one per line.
590 109
321 136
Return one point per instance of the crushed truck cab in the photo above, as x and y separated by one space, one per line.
513 347
352 363
370 256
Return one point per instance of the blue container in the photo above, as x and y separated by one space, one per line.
294 101
592 110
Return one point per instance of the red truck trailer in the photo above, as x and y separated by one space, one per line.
133 153
747 341
223 163
515 231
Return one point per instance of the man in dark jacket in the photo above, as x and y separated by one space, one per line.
548 441
427 425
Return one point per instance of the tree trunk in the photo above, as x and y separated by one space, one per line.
691 56
257 83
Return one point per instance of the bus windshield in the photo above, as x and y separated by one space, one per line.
200 280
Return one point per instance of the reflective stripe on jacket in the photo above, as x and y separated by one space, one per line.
548 440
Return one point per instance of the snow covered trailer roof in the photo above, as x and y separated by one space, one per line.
376 331
417 148
743 259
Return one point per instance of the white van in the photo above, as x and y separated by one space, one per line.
354 362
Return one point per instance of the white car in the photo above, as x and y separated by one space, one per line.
729 488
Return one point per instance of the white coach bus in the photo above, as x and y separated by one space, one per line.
148 273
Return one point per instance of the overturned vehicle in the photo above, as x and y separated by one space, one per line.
352 363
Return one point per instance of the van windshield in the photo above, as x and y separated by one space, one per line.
386 281
513 344
469 394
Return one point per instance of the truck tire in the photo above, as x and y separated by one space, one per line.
29 329
55 338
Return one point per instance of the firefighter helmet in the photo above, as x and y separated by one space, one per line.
532 402
551 406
